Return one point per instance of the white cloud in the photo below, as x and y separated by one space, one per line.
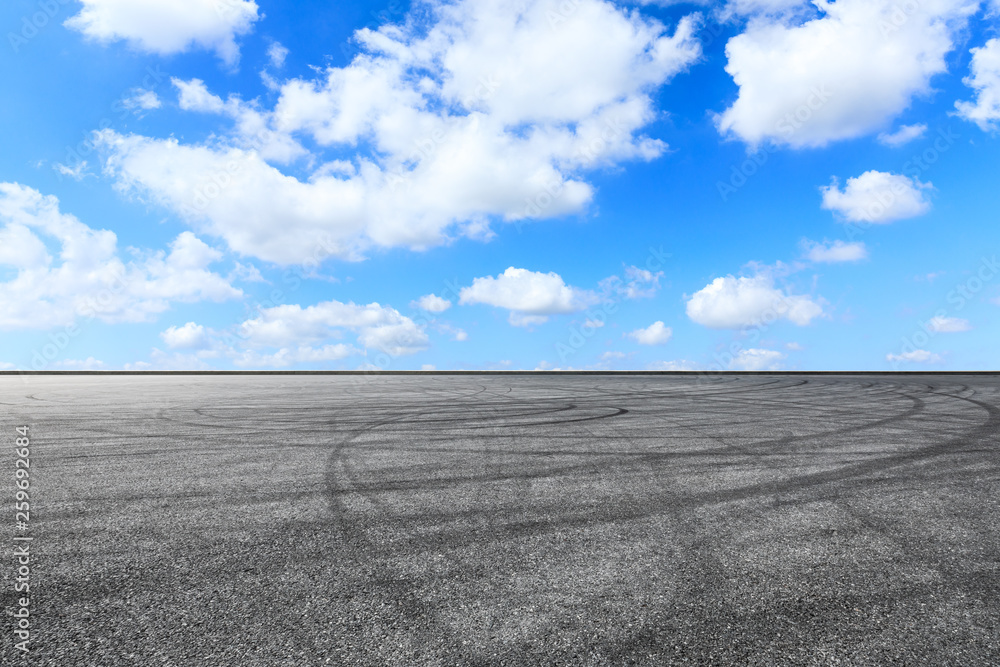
191 336
469 113
77 173
838 251
142 99
793 346
251 131
377 328
941 324
842 75
277 53
593 324
531 296
757 360
193 95
87 278
985 80
166 27
904 135
877 197
915 356
246 273
432 303
612 355
655 334
637 283
731 303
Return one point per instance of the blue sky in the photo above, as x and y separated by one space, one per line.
752 184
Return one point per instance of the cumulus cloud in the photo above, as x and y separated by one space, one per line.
877 197
432 303
984 78
838 251
731 303
844 74
376 327
87 278
191 336
757 360
904 135
531 296
915 356
469 113
942 324
166 27
655 334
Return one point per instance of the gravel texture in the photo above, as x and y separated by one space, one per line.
508 520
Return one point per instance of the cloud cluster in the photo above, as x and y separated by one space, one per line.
877 197
191 336
169 26
530 296
468 113
844 74
985 80
432 303
377 328
87 278
656 333
731 303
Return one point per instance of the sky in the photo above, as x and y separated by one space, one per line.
492 184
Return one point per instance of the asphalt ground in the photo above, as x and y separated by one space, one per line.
507 520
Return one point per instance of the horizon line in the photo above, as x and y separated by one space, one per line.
487 372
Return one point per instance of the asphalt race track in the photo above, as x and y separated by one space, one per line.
508 520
